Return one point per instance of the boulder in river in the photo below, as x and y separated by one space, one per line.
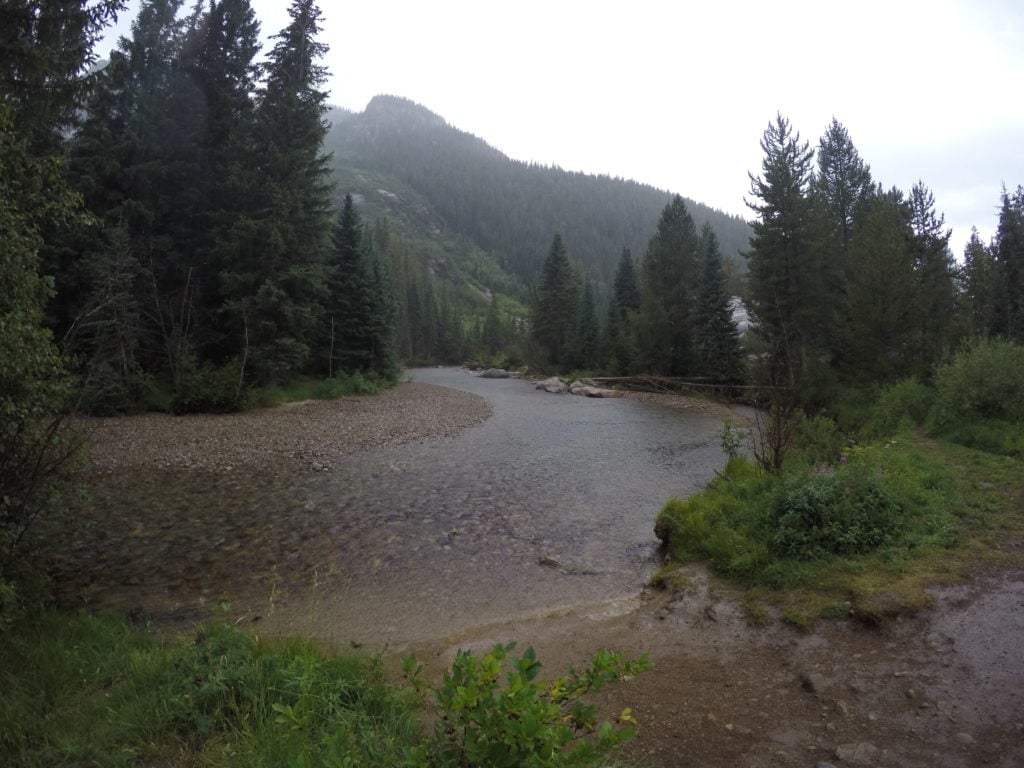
495 373
554 385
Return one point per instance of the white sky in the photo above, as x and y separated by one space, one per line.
677 93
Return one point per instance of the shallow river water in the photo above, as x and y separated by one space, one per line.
545 508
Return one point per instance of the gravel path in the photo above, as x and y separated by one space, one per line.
307 435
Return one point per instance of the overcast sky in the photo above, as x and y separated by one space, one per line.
677 94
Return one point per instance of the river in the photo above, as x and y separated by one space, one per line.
547 508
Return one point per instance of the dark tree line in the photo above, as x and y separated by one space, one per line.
210 261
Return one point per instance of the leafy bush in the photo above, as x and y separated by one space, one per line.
845 513
524 722
349 384
818 441
989 435
903 405
210 390
985 381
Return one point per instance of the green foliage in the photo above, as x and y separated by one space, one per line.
34 388
523 721
731 440
842 513
555 311
790 529
205 389
82 690
984 381
818 441
669 275
901 406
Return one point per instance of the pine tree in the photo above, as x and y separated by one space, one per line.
626 295
979 285
934 304
669 275
554 313
879 332
1008 305
717 342
586 338
783 269
839 190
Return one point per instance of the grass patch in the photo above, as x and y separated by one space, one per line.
864 536
321 389
81 690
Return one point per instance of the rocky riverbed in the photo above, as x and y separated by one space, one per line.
433 518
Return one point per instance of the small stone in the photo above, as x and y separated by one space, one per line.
857 753
965 738
814 682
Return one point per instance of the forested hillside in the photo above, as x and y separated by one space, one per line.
507 208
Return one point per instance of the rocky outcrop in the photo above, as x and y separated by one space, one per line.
495 373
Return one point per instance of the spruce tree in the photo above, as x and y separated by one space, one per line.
554 312
978 285
626 295
275 283
586 338
880 331
934 305
669 275
1007 318
717 342
838 192
783 269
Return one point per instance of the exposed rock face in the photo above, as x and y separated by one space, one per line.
495 373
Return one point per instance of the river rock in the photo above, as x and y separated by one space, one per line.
495 373
554 385
858 753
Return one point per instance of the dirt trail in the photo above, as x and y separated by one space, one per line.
944 689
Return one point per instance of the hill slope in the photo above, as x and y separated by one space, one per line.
436 182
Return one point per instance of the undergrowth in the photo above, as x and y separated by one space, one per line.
80 690
926 490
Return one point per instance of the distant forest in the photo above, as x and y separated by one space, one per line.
192 221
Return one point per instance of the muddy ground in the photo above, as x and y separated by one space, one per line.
944 688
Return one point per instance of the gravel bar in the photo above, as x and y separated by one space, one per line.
309 434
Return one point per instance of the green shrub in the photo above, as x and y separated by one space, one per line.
843 513
210 390
818 441
989 435
901 406
984 381
349 384
524 722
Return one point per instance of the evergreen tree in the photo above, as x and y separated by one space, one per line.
839 190
880 331
275 282
783 268
626 296
554 312
493 336
978 285
586 338
1008 304
669 275
934 304
717 340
